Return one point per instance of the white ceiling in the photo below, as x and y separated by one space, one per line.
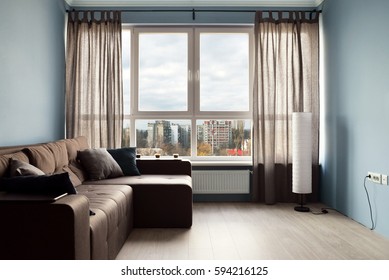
194 3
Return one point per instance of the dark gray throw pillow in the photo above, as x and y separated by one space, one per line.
126 158
99 164
56 184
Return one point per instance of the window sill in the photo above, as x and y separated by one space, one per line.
221 163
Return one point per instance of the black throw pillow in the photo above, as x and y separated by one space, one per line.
126 158
56 184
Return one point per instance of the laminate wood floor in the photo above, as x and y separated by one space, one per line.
248 231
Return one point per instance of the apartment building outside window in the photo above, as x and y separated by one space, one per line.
187 91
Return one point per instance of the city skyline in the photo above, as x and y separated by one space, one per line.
214 137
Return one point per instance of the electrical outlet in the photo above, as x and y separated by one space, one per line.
375 177
384 179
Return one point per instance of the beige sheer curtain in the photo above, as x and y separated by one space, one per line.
94 98
286 80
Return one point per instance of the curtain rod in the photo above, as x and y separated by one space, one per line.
194 11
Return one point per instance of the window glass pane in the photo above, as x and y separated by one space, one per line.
223 137
163 72
224 72
165 137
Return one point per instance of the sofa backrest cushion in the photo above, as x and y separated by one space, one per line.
60 154
42 158
74 145
75 169
73 176
5 162
50 158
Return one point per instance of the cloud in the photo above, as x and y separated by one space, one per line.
224 75
163 68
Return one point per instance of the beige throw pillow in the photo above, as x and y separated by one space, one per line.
20 168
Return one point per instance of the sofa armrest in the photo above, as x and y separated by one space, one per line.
164 166
43 230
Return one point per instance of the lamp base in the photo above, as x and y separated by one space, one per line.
302 209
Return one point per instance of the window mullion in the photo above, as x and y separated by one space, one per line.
134 82
195 89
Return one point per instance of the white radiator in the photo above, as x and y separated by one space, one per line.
221 181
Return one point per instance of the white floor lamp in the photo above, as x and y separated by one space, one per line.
302 157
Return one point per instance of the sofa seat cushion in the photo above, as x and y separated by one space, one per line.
110 227
146 180
113 200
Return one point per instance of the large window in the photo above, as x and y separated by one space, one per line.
188 91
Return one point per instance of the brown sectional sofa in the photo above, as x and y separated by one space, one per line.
95 222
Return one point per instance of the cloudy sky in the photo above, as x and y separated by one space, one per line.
224 76
163 73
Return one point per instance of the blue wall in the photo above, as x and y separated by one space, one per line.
32 71
356 107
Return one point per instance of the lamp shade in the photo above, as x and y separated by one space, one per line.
302 153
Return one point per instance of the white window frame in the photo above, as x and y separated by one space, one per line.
193 112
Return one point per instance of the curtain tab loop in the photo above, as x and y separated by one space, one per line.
258 16
92 18
118 16
85 17
77 16
303 15
102 16
74 16
291 16
316 15
71 16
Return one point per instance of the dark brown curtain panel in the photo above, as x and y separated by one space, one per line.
94 94
286 81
